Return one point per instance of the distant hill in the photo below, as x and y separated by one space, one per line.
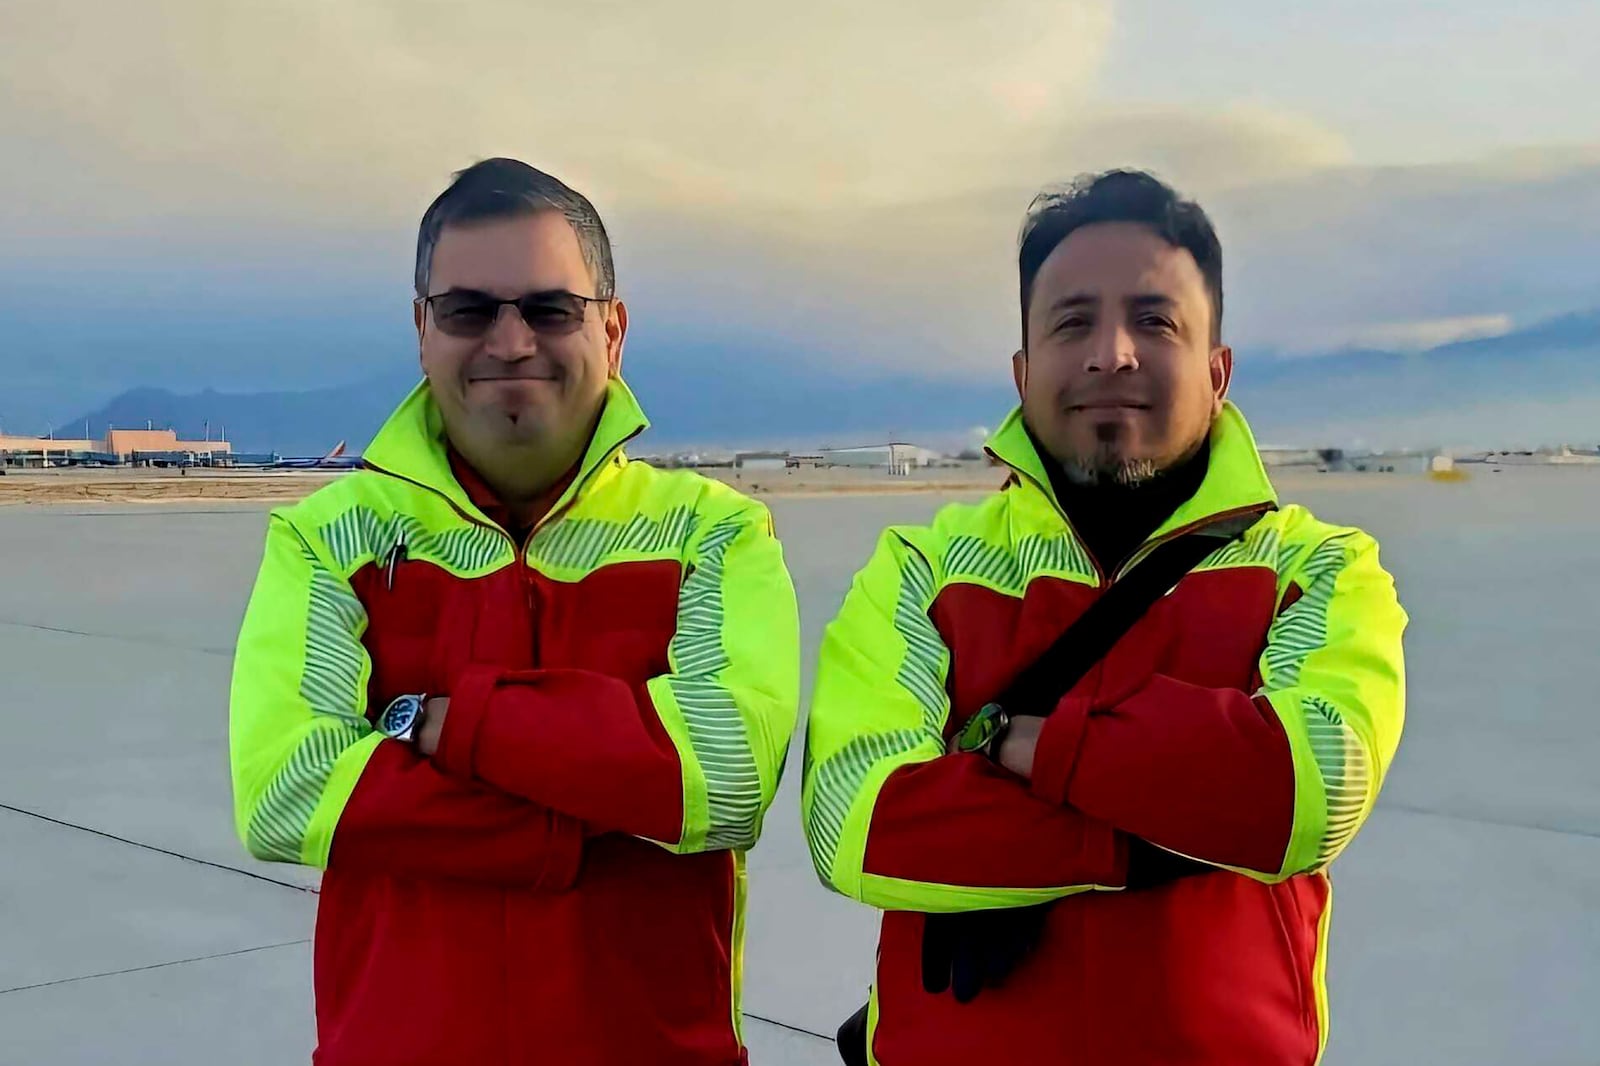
720 395
290 423
1550 356
683 406
1499 384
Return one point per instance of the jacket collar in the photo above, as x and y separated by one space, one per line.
411 445
1236 482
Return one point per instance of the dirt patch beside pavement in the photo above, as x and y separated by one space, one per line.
67 487
46 487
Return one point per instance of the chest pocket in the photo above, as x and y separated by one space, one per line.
425 625
1219 621
619 620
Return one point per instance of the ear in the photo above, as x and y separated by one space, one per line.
1019 371
616 333
1221 376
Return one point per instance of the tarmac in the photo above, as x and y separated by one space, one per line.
136 929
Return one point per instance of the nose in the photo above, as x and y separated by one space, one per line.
510 338
1111 350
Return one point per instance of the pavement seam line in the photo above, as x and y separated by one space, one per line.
786 1025
157 850
156 966
1503 823
143 642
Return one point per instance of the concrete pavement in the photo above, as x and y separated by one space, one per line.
135 929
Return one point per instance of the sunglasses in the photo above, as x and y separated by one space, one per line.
466 313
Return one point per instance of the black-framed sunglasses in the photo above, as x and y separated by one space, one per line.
467 313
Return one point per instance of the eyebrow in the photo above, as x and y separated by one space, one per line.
1077 299
1137 301
463 290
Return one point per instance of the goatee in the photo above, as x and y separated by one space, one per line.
1109 471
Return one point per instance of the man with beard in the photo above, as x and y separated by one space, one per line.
1124 861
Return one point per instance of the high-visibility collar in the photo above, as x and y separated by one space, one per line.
1236 482
412 446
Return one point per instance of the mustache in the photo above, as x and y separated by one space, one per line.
1081 401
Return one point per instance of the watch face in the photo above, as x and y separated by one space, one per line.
398 718
980 729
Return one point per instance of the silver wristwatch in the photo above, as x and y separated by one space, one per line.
402 718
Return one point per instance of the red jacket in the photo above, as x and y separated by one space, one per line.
1245 722
563 881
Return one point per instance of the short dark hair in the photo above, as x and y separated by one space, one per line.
509 188
1119 196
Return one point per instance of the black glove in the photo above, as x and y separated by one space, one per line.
851 1040
974 950
967 952
1150 866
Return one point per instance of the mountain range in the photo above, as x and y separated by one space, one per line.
1534 385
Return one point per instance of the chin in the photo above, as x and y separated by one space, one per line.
1108 472
1099 464
519 427
517 403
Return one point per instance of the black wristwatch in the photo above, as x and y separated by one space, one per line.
983 732
402 719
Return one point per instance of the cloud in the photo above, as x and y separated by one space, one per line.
1316 259
851 176
362 108
927 284
1204 150
1418 335
237 184
353 114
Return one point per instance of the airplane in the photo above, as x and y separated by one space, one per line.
336 459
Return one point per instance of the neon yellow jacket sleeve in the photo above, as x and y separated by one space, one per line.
300 743
1269 783
732 698
1334 671
298 731
891 819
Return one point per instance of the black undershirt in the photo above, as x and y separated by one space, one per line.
1114 520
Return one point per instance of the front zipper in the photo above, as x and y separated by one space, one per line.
530 597
530 591
367 464
605 461
1149 546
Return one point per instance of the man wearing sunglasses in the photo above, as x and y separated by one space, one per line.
1092 743
524 700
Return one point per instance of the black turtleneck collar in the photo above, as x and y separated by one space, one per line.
1114 520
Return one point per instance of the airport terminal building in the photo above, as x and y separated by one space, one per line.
134 447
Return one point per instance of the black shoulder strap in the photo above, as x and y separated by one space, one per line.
1089 639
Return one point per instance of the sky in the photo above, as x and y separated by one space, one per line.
218 194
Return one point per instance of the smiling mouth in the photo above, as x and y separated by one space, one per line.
522 378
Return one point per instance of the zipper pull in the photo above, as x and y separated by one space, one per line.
396 553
